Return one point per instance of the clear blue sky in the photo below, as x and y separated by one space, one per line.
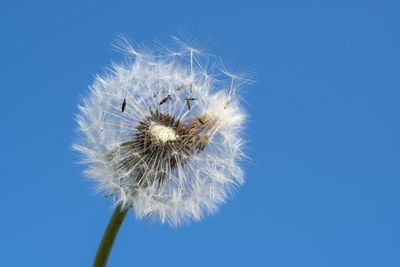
323 185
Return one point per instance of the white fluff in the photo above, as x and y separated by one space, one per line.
190 190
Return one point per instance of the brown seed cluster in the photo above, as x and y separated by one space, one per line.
147 153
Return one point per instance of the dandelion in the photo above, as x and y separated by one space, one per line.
161 134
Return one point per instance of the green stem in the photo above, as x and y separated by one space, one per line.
109 236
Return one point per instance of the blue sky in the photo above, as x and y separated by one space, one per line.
323 184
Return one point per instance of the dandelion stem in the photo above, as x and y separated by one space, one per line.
109 236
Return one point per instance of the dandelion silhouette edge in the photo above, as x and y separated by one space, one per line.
161 133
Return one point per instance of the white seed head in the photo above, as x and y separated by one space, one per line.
161 133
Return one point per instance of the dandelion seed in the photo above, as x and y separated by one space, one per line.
165 161
165 99
123 105
226 105
180 87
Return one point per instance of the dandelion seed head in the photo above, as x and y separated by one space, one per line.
161 133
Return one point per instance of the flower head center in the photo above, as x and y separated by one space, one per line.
163 133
